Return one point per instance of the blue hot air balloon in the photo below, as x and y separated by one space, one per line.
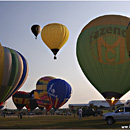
59 92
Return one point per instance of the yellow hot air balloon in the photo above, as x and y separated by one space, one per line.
55 35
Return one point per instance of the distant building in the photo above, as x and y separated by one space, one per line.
76 106
105 103
127 103
98 103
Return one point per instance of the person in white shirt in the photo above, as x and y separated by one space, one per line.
80 113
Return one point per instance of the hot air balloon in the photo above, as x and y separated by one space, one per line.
42 82
3 104
42 99
36 29
55 35
59 92
102 56
128 38
31 104
13 72
20 99
38 99
41 92
23 78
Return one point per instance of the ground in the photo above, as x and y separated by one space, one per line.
57 122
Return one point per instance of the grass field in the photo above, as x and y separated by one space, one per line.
57 122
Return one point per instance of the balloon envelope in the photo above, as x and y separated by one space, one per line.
41 92
102 55
128 38
59 92
38 99
3 104
55 35
23 78
42 83
36 29
42 99
20 99
13 72
31 104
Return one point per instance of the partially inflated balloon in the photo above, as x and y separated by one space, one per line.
38 99
31 104
102 55
13 72
36 29
41 91
20 99
42 99
55 35
59 92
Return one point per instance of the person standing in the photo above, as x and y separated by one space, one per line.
20 115
80 113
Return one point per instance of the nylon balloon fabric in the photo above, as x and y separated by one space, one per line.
103 57
55 35
41 92
36 29
20 99
13 72
59 92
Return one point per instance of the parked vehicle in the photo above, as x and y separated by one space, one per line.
59 112
120 114
91 112
31 113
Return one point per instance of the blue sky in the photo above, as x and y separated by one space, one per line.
16 19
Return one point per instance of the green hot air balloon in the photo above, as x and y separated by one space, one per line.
128 38
102 55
